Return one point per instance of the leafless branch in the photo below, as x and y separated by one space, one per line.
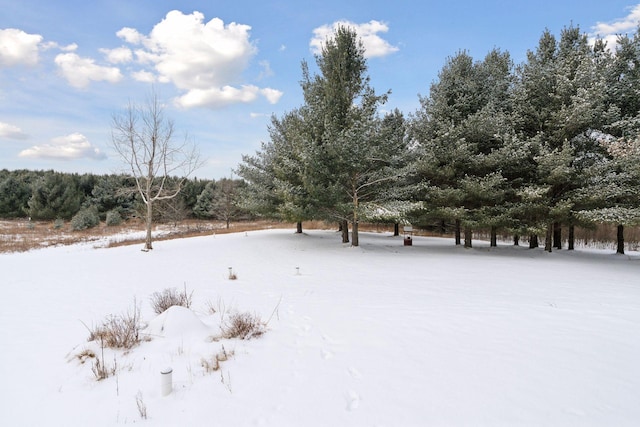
144 139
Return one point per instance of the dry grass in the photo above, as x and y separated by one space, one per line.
244 326
142 407
100 369
84 355
213 364
121 331
604 236
24 235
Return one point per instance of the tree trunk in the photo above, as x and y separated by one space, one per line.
533 241
620 239
228 223
457 231
396 229
344 227
149 223
557 235
572 237
516 240
299 227
468 235
355 240
548 238
494 237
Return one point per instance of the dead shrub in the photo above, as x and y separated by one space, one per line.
121 331
244 326
210 365
100 369
161 301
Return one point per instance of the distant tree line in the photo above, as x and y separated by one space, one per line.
528 149
50 195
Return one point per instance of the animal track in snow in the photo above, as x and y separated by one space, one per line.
355 374
326 354
353 400
328 339
303 330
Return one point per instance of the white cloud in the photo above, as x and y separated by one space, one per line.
205 59
11 132
619 26
79 72
217 98
69 147
609 31
374 45
130 35
119 55
18 48
144 76
227 95
272 95
53 45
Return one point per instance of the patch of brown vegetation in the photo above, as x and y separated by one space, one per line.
24 235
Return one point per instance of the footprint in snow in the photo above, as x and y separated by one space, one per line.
355 374
303 330
353 400
328 339
326 354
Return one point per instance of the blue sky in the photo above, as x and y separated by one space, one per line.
224 67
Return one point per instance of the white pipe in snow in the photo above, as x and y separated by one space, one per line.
166 382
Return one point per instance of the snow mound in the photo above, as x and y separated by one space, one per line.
176 322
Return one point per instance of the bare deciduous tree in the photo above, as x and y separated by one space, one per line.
144 138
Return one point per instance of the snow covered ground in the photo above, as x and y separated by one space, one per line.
379 335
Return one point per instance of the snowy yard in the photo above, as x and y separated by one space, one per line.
379 335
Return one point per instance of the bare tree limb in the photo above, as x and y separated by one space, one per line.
144 139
